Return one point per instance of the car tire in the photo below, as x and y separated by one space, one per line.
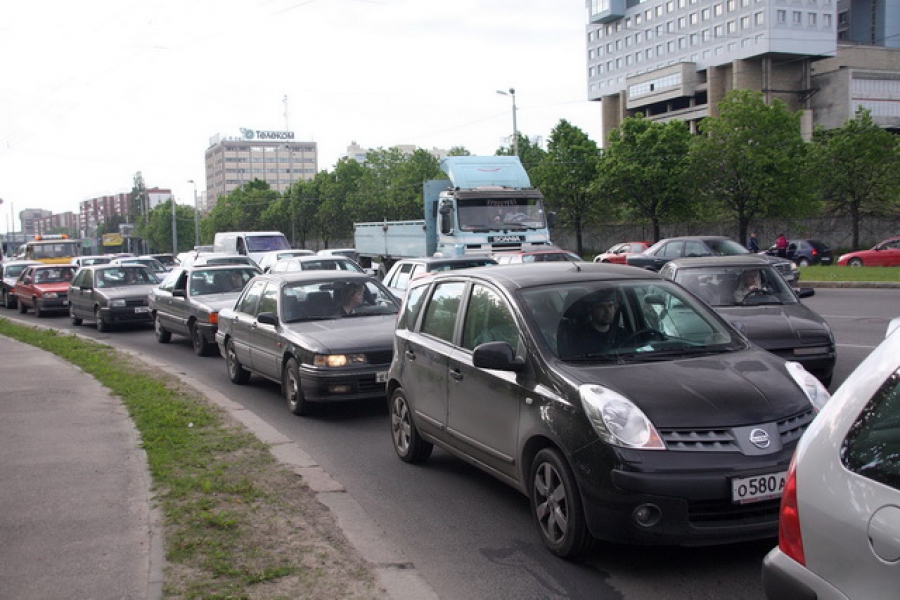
75 320
163 335
803 262
201 346
22 308
292 389
236 371
408 444
102 326
855 262
38 311
556 505
5 299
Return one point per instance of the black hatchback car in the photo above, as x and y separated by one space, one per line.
625 408
806 252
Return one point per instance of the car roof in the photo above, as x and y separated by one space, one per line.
17 263
301 276
217 267
110 266
446 260
517 276
738 260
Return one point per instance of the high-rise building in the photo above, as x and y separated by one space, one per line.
94 211
676 59
270 156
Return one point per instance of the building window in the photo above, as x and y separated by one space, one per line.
797 18
694 39
731 27
659 10
811 19
719 31
638 19
682 43
842 18
781 17
759 18
826 20
670 6
731 5
717 10
671 46
745 22
704 35
693 18
682 22
704 14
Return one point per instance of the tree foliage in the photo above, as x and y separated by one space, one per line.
158 229
644 171
858 170
750 161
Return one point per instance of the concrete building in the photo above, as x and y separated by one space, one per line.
29 220
270 156
66 222
94 211
676 59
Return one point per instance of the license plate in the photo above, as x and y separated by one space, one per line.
381 376
745 490
65 302
142 309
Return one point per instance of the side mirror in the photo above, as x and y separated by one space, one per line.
268 318
179 293
499 356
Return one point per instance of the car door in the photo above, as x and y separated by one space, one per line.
25 286
889 255
77 291
428 351
265 340
243 320
483 405
163 301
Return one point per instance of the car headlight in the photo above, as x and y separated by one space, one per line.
816 392
339 360
50 295
617 420
117 303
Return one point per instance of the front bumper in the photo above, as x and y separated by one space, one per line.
52 304
319 385
126 314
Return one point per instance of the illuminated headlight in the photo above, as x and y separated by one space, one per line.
816 392
50 295
117 303
617 420
339 360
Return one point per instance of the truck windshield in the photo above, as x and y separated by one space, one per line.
493 213
266 243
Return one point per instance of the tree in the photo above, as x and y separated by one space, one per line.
644 171
242 209
158 229
749 162
337 192
530 153
858 169
565 176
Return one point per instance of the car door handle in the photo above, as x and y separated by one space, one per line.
456 374
410 355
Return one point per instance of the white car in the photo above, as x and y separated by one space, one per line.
270 258
839 534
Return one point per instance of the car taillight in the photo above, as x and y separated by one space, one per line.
214 318
790 538
815 252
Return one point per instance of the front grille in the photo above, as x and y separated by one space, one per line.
136 302
723 440
723 512
380 358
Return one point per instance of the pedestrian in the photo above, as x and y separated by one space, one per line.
753 244
781 245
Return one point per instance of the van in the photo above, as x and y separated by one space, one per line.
250 243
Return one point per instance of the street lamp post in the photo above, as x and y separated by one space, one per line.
196 216
512 94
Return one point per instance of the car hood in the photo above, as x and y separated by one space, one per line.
725 390
126 291
62 286
337 336
782 326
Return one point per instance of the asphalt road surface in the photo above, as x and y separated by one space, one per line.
470 536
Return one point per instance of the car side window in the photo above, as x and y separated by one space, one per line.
247 303
873 444
411 306
440 314
269 300
488 319
672 250
401 278
695 249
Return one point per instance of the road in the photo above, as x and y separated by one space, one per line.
470 536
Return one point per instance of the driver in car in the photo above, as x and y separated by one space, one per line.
595 329
750 282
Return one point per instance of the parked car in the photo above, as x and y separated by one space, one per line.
533 256
883 254
705 245
292 329
315 263
111 294
806 252
676 431
618 253
269 258
9 272
92 259
153 265
43 288
407 269
772 315
189 299
839 535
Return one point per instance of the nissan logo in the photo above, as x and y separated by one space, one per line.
760 439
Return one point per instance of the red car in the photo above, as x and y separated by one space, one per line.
44 288
618 253
884 254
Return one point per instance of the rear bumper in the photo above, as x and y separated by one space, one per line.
785 579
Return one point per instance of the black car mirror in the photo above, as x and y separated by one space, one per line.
268 318
497 355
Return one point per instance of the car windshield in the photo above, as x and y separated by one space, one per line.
736 286
305 301
220 281
123 276
54 275
13 270
627 321
266 243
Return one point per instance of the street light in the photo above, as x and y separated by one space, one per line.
512 94
196 216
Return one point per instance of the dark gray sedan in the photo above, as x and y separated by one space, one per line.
325 336
111 294
189 299
771 315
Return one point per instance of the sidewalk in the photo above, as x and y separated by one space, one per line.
76 519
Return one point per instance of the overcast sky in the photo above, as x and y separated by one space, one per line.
93 91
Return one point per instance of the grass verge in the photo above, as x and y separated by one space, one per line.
854 274
236 523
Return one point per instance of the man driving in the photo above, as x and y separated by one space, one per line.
592 325
749 282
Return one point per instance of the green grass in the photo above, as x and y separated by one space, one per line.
835 273
233 517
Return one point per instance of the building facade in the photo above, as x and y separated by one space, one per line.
95 211
270 156
66 222
676 59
